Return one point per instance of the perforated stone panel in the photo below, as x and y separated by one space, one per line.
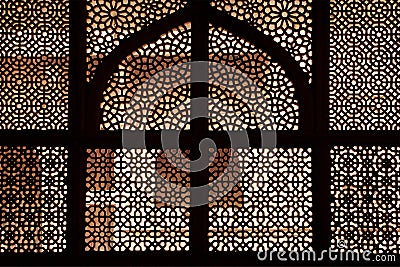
238 106
121 211
364 60
34 52
270 208
287 21
366 190
110 21
173 48
33 199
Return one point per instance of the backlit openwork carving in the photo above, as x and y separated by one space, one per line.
271 207
222 170
287 21
110 21
34 65
366 191
171 49
268 75
364 60
33 199
121 213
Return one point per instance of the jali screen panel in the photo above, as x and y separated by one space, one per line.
33 199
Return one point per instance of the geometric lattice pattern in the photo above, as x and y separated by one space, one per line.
110 21
287 21
224 167
33 199
364 65
271 206
229 111
122 213
173 48
238 109
171 111
34 64
366 206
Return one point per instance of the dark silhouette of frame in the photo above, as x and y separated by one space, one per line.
84 133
